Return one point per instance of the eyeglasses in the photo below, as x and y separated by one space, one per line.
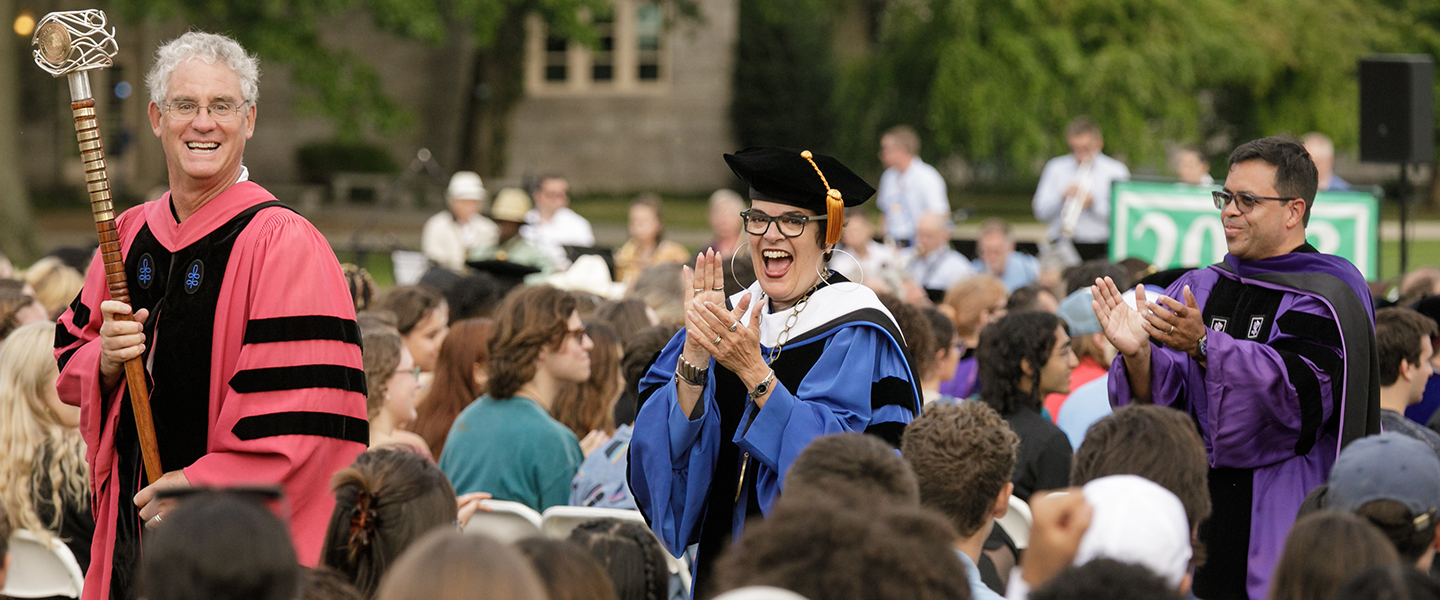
758 223
1244 201
185 110
578 334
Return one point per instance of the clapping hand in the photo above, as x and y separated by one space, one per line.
1123 324
706 283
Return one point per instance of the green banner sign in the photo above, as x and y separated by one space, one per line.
1173 225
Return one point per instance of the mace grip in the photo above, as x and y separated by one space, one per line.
97 183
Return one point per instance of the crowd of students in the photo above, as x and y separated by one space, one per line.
480 389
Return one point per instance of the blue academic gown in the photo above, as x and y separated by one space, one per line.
698 479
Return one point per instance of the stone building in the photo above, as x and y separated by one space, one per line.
646 109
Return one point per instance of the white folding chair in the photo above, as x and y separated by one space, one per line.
40 570
1017 523
506 521
559 521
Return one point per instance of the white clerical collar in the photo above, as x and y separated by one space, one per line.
244 174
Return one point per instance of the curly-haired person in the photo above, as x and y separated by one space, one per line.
963 456
820 548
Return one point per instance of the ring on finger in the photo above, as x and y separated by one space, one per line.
734 326
719 289
1172 330
716 341
699 290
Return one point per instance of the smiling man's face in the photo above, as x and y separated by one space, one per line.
203 150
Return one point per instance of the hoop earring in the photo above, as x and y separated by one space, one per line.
824 274
732 265
857 264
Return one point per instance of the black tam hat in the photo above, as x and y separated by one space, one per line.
802 179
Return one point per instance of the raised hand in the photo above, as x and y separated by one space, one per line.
706 283
1123 324
731 338
1060 521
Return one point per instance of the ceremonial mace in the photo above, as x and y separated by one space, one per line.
71 44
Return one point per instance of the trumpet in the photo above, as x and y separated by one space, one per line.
1075 201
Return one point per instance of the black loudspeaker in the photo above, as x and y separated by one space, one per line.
1397 108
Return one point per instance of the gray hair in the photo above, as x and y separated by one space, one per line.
208 47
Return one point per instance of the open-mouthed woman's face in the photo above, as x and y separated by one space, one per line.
786 267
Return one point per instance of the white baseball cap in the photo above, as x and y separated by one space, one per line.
759 592
1137 521
465 185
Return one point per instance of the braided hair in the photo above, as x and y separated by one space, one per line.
630 554
384 502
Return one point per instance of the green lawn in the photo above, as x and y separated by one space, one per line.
1422 254
690 213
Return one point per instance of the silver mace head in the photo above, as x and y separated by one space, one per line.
70 43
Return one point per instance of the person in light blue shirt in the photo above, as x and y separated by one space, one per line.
1086 405
963 455
909 188
998 257
600 482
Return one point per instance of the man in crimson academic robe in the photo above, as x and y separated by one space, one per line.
242 318
1272 354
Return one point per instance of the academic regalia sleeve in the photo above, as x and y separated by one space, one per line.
1268 401
672 458
288 405
836 396
77 353
1257 403
1171 370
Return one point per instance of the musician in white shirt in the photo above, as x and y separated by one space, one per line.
1085 175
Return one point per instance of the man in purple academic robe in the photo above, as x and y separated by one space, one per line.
1272 353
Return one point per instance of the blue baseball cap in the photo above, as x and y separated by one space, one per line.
1389 466
1078 314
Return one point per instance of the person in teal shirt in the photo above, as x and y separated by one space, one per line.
506 443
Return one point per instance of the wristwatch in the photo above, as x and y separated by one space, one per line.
763 386
1200 347
691 374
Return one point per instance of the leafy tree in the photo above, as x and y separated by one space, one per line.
997 81
17 223
784 74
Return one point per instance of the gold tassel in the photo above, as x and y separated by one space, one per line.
834 204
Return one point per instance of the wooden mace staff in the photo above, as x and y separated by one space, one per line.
71 44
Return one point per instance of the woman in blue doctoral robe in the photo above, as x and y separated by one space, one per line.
735 397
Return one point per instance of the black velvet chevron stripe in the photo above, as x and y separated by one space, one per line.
320 424
63 337
80 314
1307 389
890 431
65 358
275 379
296 329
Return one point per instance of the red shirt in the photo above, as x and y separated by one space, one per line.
1083 374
